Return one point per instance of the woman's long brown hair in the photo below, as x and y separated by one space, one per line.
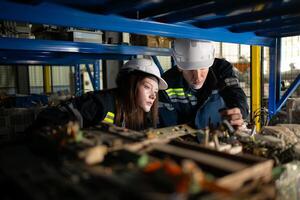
126 105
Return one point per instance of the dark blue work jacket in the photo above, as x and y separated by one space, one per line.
179 103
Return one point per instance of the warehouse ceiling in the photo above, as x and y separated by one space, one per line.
268 18
252 22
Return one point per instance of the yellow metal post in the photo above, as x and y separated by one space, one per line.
256 84
47 79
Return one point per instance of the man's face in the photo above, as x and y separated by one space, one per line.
195 78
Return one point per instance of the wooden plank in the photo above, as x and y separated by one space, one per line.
239 171
260 171
214 161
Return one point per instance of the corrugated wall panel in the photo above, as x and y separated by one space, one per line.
7 79
61 78
36 79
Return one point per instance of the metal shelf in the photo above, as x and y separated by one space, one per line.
252 22
60 15
29 51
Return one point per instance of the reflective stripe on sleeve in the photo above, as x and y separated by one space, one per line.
166 105
177 95
109 118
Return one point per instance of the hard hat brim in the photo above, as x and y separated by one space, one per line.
195 65
146 66
162 84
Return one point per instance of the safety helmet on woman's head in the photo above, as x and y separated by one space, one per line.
147 66
193 54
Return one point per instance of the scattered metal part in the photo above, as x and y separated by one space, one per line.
206 131
253 131
228 126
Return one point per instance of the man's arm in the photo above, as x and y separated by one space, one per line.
233 95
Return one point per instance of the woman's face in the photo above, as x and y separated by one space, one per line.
147 90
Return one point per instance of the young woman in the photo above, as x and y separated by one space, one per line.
133 104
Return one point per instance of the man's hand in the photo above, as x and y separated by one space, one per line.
234 116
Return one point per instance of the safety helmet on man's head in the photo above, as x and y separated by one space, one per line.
193 54
147 66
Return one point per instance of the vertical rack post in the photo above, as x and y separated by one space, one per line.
256 85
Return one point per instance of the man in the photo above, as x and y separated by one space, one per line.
203 89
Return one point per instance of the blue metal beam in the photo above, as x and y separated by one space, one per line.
204 9
156 61
52 61
117 6
87 66
258 25
78 80
185 13
78 47
97 75
274 79
161 7
286 34
79 3
53 58
280 32
65 16
286 8
106 6
288 93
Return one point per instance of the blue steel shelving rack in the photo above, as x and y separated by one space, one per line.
253 22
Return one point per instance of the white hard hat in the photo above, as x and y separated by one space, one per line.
193 54
148 66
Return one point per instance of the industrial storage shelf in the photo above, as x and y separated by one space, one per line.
29 51
252 22
65 15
